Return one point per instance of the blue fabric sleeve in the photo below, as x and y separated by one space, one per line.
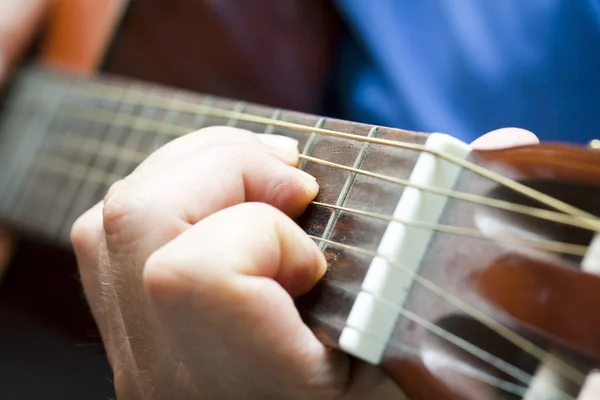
470 66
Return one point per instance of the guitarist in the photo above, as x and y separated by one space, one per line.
181 315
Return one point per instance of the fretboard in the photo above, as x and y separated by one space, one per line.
65 139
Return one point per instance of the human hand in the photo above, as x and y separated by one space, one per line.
18 20
191 280
184 316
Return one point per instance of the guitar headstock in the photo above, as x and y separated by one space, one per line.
501 304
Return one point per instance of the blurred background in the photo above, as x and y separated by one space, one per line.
462 68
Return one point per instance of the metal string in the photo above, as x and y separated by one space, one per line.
96 114
588 220
95 90
60 165
90 145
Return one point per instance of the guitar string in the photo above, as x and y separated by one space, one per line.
95 114
470 348
463 367
77 170
567 370
187 106
517 335
134 156
90 145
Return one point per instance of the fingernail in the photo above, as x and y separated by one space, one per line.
309 181
284 144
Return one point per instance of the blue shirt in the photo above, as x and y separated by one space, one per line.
466 67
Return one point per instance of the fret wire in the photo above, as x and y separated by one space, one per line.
539 244
200 119
25 173
275 116
9 142
133 140
492 202
239 108
15 157
84 196
310 143
575 216
169 118
333 218
178 130
60 165
7 158
68 202
134 157
591 220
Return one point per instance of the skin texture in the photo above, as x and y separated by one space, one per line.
192 280
181 314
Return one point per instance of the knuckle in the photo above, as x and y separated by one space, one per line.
117 203
84 235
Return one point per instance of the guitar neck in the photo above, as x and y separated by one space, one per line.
65 139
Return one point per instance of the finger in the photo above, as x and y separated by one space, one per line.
232 308
87 240
142 216
505 138
90 253
99 287
281 147
18 21
162 204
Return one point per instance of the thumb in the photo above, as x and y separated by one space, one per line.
504 138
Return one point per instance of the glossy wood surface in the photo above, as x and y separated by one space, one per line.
543 296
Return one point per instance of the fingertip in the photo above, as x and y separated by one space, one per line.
304 264
505 138
311 187
289 189
286 148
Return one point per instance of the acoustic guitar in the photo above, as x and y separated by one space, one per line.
462 274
